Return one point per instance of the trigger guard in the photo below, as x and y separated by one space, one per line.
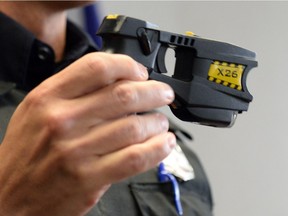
160 62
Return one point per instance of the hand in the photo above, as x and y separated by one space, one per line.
75 134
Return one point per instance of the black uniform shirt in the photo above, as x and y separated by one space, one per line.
26 61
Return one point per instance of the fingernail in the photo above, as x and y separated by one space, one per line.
171 140
163 121
143 72
169 94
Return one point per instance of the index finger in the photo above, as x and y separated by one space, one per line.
95 71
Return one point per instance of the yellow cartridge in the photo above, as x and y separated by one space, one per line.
227 74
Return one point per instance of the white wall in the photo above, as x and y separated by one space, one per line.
247 164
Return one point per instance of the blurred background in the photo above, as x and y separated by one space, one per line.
246 164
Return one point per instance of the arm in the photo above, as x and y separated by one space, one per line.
74 135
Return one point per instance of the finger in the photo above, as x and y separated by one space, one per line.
134 159
119 134
120 99
94 71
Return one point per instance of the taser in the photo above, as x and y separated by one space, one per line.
209 78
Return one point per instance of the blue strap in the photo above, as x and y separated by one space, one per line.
165 176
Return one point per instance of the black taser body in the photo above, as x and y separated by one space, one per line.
209 78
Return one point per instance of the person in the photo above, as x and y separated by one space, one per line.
72 143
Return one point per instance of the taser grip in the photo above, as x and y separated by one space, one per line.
209 78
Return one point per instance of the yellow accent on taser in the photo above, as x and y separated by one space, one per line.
189 33
112 16
226 74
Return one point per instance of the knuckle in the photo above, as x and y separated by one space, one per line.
36 98
135 129
96 65
125 95
78 173
56 121
137 161
67 161
130 62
